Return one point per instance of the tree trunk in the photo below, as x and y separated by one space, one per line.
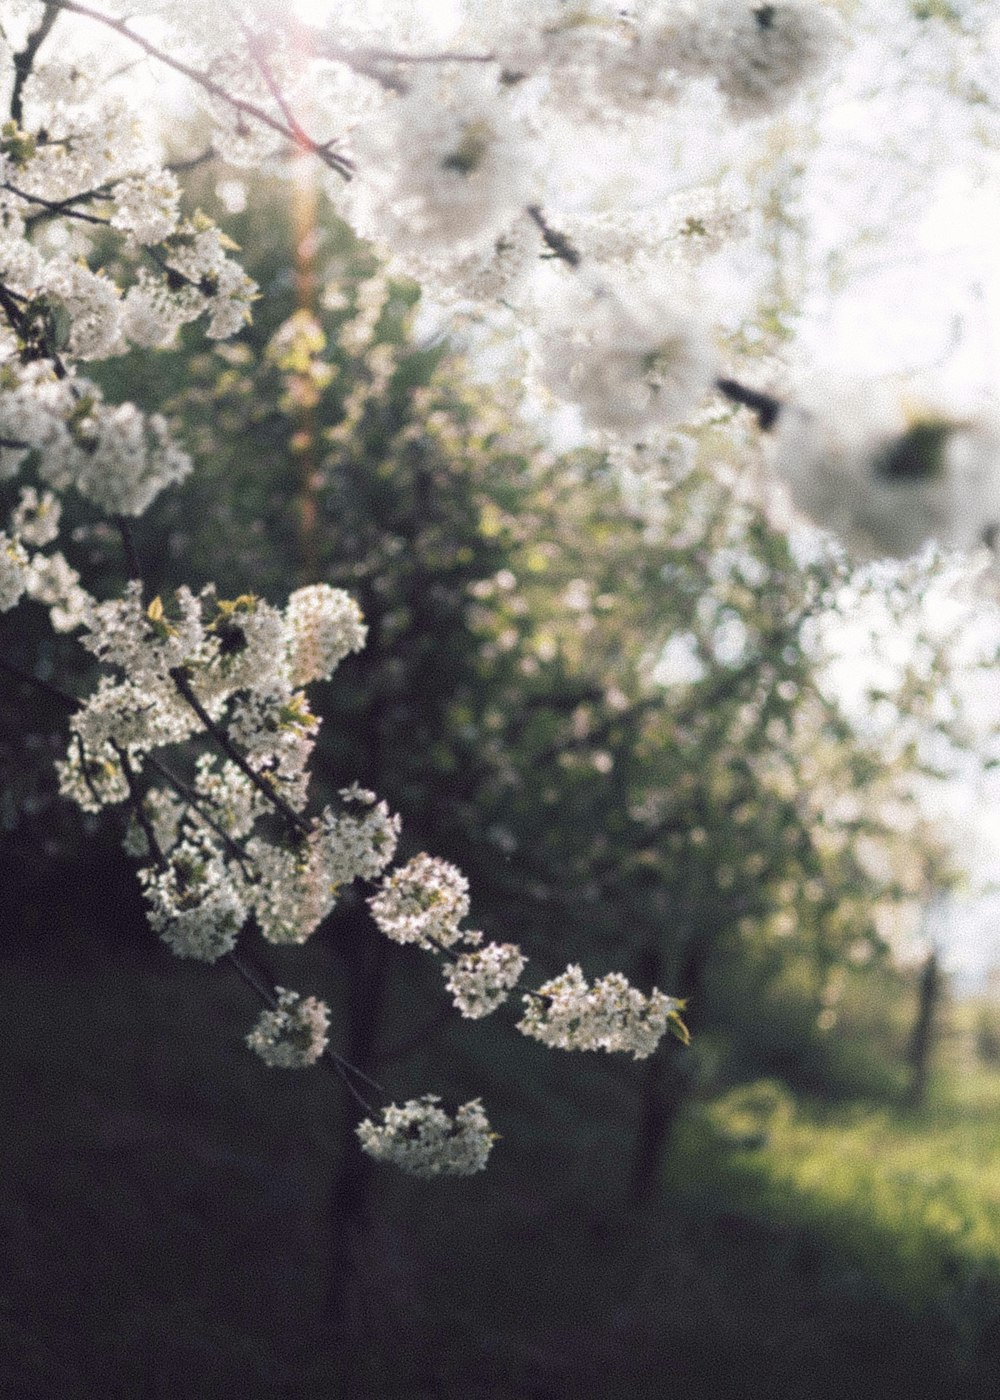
922 1036
668 1080
351 1197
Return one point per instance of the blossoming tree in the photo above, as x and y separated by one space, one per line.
463 162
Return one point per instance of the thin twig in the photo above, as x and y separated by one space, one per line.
25 60
138 810
180 167
71 702
256 51
330 1060
128 544
85 772
193 799
62 206
324 151
181 680
557 243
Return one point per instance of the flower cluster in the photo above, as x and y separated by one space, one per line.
324 625
482 980
423 902
628 363
92 779
450 163
886 475
570 1015
194 900
422 1139
294 1034
759 54
299 881
13 571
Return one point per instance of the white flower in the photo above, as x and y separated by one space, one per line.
276 732
93 779
448 163
481 980
234 802
423 902
92 304
568 1014
35 519
54 583
146 206
14 571
132 715
248 638
147 642
194 903
885 476
760 54
323 625
420 1138
294 1034
300 882
628 362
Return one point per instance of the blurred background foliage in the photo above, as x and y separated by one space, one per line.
606 704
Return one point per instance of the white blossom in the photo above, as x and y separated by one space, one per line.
35 519
275 731
301 880
146 206
423 902
448 163
247 638
568 1014
147 643
759 54
124 459
234 802
422 1139
887 476
164 813
197 251
481 980
195 903
93 779
323 625
294 1034
14 571
629 362
53 582
91 303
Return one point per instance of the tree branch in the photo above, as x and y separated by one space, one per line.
324 151
766 406
25 60
294 819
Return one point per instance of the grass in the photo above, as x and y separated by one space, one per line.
164 1204
912 1197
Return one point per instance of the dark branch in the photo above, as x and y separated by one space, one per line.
182 681
766 406
557 243
62 206
25 60
139 811
128 544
